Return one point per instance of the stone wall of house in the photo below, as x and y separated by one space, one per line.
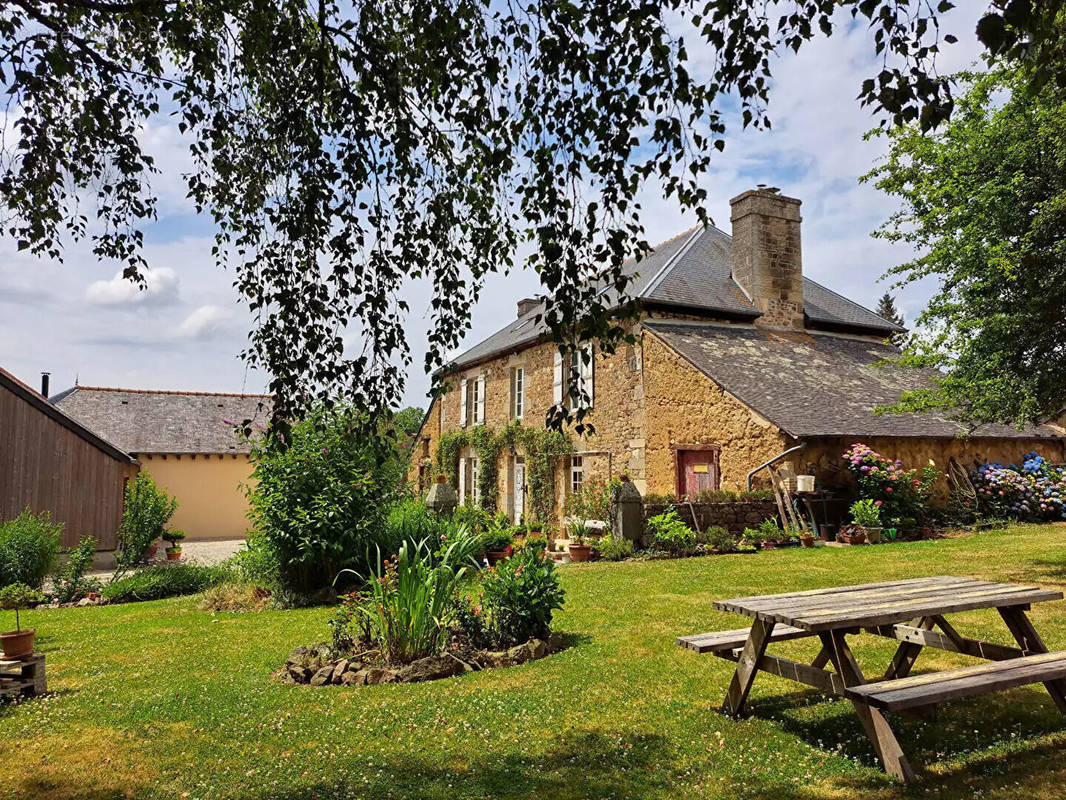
615 447
735 517
822 457
685 407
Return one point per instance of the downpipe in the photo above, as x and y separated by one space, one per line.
773 460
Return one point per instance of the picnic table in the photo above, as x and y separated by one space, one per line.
909 611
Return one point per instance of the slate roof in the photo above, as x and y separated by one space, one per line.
813 385
146 421
38 401
692 273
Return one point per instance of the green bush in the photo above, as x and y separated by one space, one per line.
615 549
717 537
320 496
519 596
256 563
671 533
477 520
148 510
716 496
163 580
71 583
29 544
19 597
497 540
768 531
535 542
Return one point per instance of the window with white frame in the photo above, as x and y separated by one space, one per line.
472 401
518 392
576 387
577 473
475 472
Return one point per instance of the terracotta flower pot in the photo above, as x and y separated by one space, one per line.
496 556
767 545
173 553
580 552
807 541
17 643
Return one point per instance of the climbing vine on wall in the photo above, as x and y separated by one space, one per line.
542 449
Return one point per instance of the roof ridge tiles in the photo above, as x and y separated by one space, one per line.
82 387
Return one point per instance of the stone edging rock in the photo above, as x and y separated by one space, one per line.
317 666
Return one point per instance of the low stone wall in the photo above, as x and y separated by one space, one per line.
735 517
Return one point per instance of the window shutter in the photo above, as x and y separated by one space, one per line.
557 385
479 412
464 401
512 397
462 481
587 375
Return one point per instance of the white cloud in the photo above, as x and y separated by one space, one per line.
161 287
203 322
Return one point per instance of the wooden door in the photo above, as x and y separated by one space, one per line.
697 471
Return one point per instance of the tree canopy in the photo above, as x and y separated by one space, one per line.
984 204
343 149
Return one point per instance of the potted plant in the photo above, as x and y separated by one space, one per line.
16 597
173 537
579 550
497 543
866 514
806 539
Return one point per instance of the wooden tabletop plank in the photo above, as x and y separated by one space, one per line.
884 603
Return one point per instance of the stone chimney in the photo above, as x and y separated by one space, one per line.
527 304
766 255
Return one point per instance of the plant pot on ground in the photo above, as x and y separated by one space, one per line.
852 536
18 597
806 539
498 545
174 539
866 514
873 535
579 549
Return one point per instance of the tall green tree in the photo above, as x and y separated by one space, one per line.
886 309
984 205
345 148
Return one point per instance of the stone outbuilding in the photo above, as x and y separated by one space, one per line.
738 357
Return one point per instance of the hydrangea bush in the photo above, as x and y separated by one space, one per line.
1035 491
904 494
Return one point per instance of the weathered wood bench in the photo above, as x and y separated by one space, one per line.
936 687
720 641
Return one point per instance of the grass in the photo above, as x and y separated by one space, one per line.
161 700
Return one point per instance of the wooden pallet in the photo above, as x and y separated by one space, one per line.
23 676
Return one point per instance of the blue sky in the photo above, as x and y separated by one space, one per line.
79 319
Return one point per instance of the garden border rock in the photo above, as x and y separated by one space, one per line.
319 665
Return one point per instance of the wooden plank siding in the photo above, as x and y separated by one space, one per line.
48 464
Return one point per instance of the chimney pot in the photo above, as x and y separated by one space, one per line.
527 304
767 263
44 384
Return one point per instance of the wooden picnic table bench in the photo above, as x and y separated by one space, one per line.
907 611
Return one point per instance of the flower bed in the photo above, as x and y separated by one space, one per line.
1034 491
903 495
733 516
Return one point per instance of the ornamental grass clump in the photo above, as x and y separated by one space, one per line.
1034 491
410 600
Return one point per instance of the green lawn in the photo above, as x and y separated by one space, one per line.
161 700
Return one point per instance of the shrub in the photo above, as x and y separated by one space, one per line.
653 499
256 563
18 597
320 496
497 540
535 542
71 583
768 531
866 513
163 580
518 598
410 601
671 533
756 495
235 597
29 544
717 537
148 509
1035 491
612 549
902 492
715 496
477 520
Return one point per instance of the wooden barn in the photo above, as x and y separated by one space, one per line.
50 462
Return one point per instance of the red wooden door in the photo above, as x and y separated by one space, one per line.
697 470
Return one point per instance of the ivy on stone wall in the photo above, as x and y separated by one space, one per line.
542 449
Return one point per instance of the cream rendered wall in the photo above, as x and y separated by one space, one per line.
211 501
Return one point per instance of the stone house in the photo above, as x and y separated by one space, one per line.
739 357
